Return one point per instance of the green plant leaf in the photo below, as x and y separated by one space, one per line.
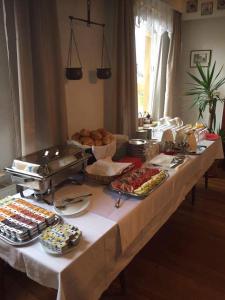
203 88
212 72
196 79
201 72
218 73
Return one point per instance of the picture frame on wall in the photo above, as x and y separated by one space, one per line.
207 8
201 57
191 6
220 4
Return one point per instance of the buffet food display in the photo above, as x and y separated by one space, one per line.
21 222
139 182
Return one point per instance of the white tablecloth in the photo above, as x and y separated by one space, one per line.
111 236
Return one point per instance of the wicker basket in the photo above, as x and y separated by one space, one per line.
107 179
101 179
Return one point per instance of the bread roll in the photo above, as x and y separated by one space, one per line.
76 136
98 142
85 140
102 131
85 132
107 140
96 135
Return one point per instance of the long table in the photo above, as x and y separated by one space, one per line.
111 236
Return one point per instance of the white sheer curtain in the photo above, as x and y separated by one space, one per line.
155 18
156 15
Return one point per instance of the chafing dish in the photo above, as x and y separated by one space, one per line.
44 170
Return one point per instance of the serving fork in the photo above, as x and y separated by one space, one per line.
68 201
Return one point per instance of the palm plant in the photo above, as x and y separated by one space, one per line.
205 91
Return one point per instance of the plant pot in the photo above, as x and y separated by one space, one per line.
104 73
74 73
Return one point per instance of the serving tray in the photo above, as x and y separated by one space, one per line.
142 195
75 242
13 242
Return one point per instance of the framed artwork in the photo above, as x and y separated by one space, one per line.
201 57
220 4
207 8
191 6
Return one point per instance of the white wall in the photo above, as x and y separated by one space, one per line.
84 98
201 34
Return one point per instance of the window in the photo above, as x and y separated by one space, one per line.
153 28
143 52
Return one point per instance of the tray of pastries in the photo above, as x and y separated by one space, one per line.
21 222
139 182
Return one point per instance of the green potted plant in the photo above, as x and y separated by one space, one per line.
205 89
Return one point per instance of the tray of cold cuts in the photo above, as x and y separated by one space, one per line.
139 182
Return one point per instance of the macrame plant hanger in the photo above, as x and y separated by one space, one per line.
73 73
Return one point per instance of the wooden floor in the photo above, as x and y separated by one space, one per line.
185 260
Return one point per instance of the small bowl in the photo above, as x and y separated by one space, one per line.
104 73
74 73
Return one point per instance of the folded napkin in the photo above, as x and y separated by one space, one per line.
166 161
106 167
162 160
103 152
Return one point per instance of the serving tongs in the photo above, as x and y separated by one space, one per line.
176 161
67 201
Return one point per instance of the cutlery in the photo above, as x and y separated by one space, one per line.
117 204
68 201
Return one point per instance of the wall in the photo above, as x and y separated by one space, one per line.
84 98
178 5
201 34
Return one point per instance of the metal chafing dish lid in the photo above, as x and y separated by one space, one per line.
137 142
48 161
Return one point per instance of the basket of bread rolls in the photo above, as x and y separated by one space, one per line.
103 146
98 137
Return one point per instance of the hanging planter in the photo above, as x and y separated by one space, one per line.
73 73
104 72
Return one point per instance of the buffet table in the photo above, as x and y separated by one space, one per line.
111 236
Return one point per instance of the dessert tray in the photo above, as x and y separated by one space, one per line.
60 239
140 182
22 222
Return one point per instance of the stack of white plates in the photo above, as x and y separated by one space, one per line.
136 147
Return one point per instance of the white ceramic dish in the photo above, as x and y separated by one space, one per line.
73 208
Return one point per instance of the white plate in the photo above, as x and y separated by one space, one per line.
73 208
